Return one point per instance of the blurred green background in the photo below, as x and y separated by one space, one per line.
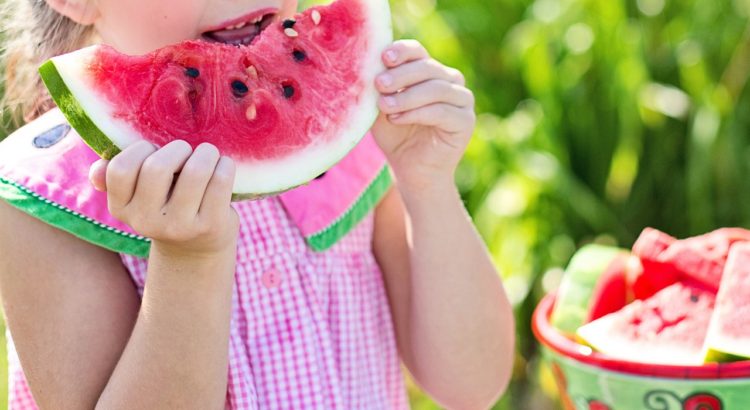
597 118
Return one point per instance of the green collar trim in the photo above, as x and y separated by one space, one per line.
324 239
71 221
119 241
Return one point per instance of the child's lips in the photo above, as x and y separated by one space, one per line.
242 30
242 35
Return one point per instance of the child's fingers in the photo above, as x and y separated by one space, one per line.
403 51
426 93
98 175
157 175
448 118
122 174
219 190
416 72
191 184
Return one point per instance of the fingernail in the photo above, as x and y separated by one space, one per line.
386 80
390 101
394 116
391 55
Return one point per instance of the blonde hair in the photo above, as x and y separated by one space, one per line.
33 33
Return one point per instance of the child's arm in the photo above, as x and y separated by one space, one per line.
453 320
73 312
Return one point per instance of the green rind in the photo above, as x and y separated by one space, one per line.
75 114
72 222
326 238
713 355
577 286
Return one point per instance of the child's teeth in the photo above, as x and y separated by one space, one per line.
257 20
237 26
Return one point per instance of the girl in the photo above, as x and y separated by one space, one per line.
231 306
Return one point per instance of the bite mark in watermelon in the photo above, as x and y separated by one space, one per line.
729 333
285 108
668 328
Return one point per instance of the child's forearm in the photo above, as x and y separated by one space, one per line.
461 323
177 354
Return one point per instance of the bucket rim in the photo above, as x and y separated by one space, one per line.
548 336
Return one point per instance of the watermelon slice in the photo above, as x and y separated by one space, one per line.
699 259
581 277
729 333
668 328
286 107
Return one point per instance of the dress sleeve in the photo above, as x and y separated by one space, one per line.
45 174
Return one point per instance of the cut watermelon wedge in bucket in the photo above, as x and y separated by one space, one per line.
588 379
286 107
552 339
729 332
667 328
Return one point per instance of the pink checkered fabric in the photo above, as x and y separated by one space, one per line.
309 330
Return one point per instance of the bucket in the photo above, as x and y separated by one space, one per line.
589 380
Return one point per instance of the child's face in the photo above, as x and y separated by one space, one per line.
140 26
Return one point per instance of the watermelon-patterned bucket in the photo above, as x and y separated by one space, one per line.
588 380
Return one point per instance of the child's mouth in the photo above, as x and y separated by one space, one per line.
243 30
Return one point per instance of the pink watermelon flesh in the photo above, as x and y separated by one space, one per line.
698 259
703 257
165 101
668 328
729 333
285 108
654 274
651 243
610 293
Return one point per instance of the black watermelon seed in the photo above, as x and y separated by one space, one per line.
320 176
289 23
694 298
239 88
192 72
299 55
288 91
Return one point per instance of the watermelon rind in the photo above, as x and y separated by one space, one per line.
107 135
578 283
74 113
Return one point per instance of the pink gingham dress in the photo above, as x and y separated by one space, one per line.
309 329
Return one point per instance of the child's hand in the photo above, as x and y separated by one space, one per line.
427 116
185 215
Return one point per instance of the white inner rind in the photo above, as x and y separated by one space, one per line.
599 336
259 176
72 68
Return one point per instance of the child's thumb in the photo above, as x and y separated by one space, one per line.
98 175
